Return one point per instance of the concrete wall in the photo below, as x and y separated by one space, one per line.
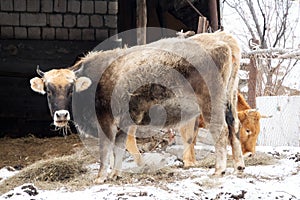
283 128
58 19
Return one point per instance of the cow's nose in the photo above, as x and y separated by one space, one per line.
61 115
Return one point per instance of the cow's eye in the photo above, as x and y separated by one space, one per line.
70 91
50 88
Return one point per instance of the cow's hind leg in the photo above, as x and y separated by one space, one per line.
238 161
219 132
119 150
221 151
237 156
189 133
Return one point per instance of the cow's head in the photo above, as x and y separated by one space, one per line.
59 85
249 120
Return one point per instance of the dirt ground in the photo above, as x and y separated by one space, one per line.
56 162
21 152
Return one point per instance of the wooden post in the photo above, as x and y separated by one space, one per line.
141 21
252 83
202 25
213 10
252 75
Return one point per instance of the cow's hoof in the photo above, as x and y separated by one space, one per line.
248 154
140 162
189 164
114 175
100 180
239 170
218 174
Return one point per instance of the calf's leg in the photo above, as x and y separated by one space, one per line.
131 146
189 133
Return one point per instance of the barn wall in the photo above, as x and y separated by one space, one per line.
58 19
283 128
23 111
52 33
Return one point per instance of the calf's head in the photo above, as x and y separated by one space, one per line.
59 85
250 128
250 121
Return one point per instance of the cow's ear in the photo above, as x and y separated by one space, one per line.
37 85
242 115
82 84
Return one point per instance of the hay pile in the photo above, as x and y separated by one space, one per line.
25 151
68 171
260 158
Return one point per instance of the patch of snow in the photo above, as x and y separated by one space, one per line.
243 74
6 172
278 181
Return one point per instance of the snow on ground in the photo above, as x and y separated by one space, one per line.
278 181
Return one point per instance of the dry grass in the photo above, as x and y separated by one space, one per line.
258 159
68 171
22 152
72 173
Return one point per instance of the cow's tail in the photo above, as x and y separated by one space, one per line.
230 121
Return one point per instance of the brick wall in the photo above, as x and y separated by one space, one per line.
58 19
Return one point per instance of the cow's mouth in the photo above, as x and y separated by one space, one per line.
62 126
61 118
61 123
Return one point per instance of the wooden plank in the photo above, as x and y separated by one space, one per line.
141 21
202 25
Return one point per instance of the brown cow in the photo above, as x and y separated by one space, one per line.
250 126
198 74
209 41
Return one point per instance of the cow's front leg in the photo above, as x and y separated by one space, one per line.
104 160
106 141
119 150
